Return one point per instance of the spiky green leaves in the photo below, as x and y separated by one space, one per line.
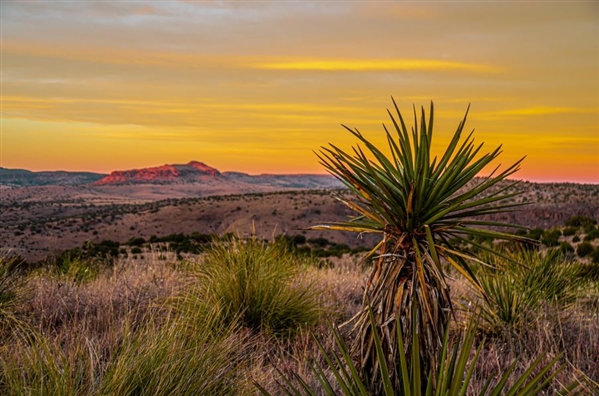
410 195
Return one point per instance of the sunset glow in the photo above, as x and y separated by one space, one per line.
258 86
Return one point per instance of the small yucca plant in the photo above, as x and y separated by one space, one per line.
515 289
417 204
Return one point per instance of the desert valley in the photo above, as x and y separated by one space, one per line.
46 212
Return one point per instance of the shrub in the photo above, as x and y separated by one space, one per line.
135 241
576 239
566 248
321 242
569 231
551 238
584 249
592 235
536 233
595 255
136 250
579 221
256 283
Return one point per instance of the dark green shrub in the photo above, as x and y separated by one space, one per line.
321 242
299 239
550 238
595 255
135 241
569 231
576 238
136 250
592 235
536 233
566 248
584 249
580 221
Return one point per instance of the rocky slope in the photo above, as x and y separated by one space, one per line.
192 172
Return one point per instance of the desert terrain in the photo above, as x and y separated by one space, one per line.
36 221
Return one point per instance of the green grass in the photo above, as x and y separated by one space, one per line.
256 284
516 288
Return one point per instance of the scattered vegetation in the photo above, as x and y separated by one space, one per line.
196 313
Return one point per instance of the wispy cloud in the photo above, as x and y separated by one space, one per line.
376 65
534 111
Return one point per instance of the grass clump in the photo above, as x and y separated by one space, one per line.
11 285
173 360
515 286
256 283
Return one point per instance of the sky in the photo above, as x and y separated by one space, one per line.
259 86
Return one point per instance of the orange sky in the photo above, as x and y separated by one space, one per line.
257 86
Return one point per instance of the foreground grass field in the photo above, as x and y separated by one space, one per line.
251 312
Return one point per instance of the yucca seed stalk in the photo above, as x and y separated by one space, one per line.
418 204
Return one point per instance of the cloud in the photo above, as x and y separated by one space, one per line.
533 111
376 65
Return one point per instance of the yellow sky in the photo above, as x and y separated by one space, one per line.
257 86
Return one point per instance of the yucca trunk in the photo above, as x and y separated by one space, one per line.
401 285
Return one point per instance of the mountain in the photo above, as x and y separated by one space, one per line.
192 172
196 172
285 181
26 178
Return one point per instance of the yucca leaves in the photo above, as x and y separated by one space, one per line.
417 202
454 371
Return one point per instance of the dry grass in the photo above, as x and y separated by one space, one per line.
81 328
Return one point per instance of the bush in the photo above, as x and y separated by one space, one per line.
595 255
584 249
320 242
536 233
569 231
580 221
576 239
551 238
566 248
135 241
256 283
592 235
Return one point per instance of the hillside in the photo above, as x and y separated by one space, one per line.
24 178
43 222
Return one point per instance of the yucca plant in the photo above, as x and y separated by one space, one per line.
417 204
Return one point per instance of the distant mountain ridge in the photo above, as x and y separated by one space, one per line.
192 173
26 178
